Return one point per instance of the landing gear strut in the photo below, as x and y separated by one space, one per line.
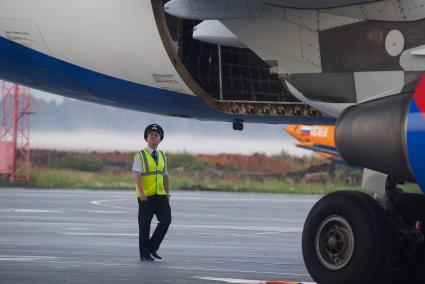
407 214
351 238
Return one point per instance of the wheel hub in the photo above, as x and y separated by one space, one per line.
334 242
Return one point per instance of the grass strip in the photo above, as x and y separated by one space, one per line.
68 178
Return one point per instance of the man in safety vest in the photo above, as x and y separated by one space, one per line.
153 194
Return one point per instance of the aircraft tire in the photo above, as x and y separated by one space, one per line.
412 207
347 239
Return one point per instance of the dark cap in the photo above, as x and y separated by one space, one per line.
154 127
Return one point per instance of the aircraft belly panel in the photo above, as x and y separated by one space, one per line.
112 37
374 85
365 46
326 87
401 10
285 44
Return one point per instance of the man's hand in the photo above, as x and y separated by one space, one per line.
169 197
143 197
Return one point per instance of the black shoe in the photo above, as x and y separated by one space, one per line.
154 254
147 258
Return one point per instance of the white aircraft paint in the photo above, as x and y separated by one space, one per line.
118 38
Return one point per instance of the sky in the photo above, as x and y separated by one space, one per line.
46 96
90 138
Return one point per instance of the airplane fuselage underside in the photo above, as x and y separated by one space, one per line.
100 58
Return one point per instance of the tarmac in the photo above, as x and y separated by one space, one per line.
91 236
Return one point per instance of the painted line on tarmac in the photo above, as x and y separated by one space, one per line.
101 234
245 235
223 228
28 258
16 210
293 275
247 281
233 218
101 211
268 229
104 203
254 198
258 231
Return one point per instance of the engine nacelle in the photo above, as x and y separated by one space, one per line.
385 135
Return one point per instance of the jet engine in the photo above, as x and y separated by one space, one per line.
382 134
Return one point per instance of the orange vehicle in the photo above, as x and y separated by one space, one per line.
319 139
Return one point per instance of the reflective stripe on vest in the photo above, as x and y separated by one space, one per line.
152 173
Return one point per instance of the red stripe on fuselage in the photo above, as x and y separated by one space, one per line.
419 95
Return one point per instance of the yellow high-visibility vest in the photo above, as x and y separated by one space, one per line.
152 174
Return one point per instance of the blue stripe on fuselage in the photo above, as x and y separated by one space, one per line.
31 68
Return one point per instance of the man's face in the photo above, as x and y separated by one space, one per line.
154 139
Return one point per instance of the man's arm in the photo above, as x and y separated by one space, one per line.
166 179
139 186
137 172
167 184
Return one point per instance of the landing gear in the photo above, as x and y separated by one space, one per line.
408 219
350 238
347 239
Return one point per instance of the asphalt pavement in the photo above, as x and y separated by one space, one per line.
91 236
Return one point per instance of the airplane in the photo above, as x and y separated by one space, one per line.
317 138
358 64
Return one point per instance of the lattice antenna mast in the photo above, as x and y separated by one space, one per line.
14 135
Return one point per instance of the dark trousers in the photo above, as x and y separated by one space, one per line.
159 206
